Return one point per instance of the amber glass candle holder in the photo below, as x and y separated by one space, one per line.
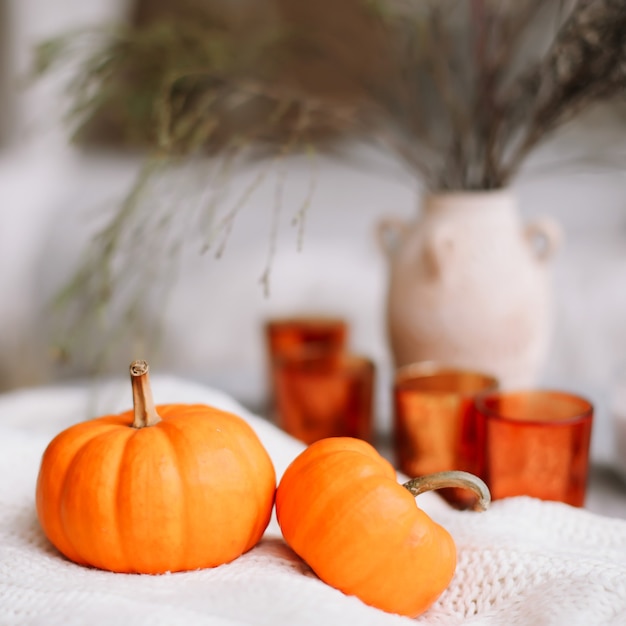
434 427
324 394
291 335
288 335
535 443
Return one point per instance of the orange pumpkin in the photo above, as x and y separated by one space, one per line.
341 509
156 489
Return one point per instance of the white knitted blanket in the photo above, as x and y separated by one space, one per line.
523 562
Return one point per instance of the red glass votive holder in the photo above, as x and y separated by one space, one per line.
535 443
324 394
434 427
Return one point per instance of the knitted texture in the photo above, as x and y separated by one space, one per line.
522 562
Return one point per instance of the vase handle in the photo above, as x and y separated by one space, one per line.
390 232
438 252
544 236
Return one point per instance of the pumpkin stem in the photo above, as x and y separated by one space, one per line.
143 402
455 478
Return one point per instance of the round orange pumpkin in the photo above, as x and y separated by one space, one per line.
156 489
341 509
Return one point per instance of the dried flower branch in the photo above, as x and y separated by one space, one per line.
585 65
184 91
468 88
493 79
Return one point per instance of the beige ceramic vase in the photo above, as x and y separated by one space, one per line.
469 285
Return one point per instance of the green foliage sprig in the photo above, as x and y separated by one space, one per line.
189 95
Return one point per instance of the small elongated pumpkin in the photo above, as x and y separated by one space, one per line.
341 509
156 489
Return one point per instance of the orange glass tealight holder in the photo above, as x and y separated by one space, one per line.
322 394
434 428
535 443
290 334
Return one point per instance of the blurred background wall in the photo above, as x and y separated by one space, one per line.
51 194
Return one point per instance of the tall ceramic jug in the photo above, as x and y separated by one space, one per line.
469 285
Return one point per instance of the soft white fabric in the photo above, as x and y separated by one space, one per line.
522 562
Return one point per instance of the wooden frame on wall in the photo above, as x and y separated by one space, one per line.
314 75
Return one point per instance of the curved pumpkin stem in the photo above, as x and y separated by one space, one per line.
143 402
454 478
